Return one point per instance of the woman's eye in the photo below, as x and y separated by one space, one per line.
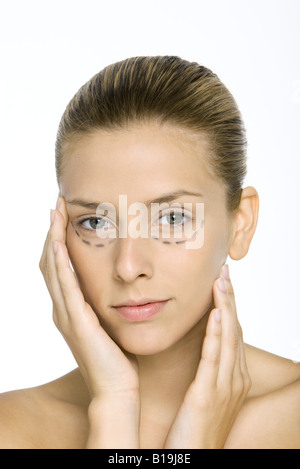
173 218
95 224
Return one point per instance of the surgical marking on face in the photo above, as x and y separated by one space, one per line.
88 243
177 242
161 239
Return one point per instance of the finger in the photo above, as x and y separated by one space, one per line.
241 365
208 369
71 293
57 232
229 288
61 207
79 318
229 357
44 254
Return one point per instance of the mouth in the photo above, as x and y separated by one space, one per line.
140 310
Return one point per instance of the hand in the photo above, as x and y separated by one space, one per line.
222 382
106 369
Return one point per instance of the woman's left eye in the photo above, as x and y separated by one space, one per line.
173 218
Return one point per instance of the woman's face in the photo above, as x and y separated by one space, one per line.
145 163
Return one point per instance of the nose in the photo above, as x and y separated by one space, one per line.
133 259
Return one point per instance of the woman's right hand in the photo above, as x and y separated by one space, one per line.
107 370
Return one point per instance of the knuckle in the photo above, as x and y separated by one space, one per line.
55 318
210 352
238 388
205 401
226 394
56 322
60 322
240 331
247 383
49 276
242 386
234 339
212 358
199 398
230 288
41 266
43 263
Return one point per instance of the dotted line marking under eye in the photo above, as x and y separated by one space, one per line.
100 245
176 242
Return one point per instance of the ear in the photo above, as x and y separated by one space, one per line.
245 222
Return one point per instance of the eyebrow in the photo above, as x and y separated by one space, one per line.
172 196
164 198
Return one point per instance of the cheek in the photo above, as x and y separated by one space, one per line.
86 266
191 266
193 276
190 274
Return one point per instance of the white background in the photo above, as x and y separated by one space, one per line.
48 50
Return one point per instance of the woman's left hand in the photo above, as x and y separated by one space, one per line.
222 381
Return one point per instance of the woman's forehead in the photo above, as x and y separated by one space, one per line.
142 155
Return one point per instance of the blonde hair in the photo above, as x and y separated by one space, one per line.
167 89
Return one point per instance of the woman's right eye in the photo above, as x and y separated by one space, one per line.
95 224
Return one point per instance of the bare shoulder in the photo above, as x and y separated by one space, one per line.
270 418
44 417
269 372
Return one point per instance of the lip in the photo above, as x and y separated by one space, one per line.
140 310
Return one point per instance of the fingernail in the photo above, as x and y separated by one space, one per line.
217 315
225 272
222 285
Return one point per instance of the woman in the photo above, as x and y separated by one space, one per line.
149 314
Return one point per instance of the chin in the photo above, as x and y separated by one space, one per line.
156 335
143 350
141 340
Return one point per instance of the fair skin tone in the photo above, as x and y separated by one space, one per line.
183 378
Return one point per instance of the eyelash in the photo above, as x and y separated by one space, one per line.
176 213
81 222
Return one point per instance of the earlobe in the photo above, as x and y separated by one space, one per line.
245 223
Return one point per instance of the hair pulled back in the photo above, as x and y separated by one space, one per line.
166 89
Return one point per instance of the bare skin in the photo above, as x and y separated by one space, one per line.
180 380
55 415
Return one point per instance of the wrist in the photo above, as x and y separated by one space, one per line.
126 399
114 422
